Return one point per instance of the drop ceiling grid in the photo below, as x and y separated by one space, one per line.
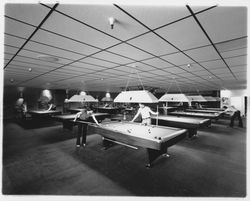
58 40
229 22
17 28
83 33
125 27
27 59
153 44
55 52
13 41
237 52
148 16
38 55
120 72
232 44
239 60
184 34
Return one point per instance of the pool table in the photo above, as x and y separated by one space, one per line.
211 116
204 111
215 109
156 139
110 110
68 123
43 113
192 124
74 110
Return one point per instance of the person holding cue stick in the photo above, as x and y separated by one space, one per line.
145 112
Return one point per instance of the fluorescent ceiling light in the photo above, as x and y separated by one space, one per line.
143 96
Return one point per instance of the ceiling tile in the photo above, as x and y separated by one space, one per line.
30 13
233 53
83 33
62 42
13 41
213 64
148 16
97 62
86 65
192 68
113 58
23 58
239 60
52 51
203 54
239 69
159 63
177 59
185 34
175 70
224 23
220 71
18 28
153 44
130 52
97 16
232 44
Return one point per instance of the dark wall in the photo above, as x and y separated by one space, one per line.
30 95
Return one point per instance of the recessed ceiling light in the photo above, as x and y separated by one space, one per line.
47 58
30 69
189 65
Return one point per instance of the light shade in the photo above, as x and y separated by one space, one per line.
217 98
107 99
174 98
198 98
209 98
81 98
143 96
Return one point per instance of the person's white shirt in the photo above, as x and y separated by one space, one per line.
230 110
144 112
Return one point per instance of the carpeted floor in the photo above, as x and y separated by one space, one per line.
44 160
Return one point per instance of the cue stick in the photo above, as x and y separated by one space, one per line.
157 116
117 142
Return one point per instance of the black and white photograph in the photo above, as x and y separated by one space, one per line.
124 100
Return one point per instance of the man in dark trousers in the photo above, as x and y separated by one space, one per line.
234 113
87 116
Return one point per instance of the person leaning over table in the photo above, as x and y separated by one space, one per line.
234 113
87 116
51 106
145 112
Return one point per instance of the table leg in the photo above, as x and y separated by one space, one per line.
154 154
192 132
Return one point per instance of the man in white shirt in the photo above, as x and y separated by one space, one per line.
234 113
145 112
